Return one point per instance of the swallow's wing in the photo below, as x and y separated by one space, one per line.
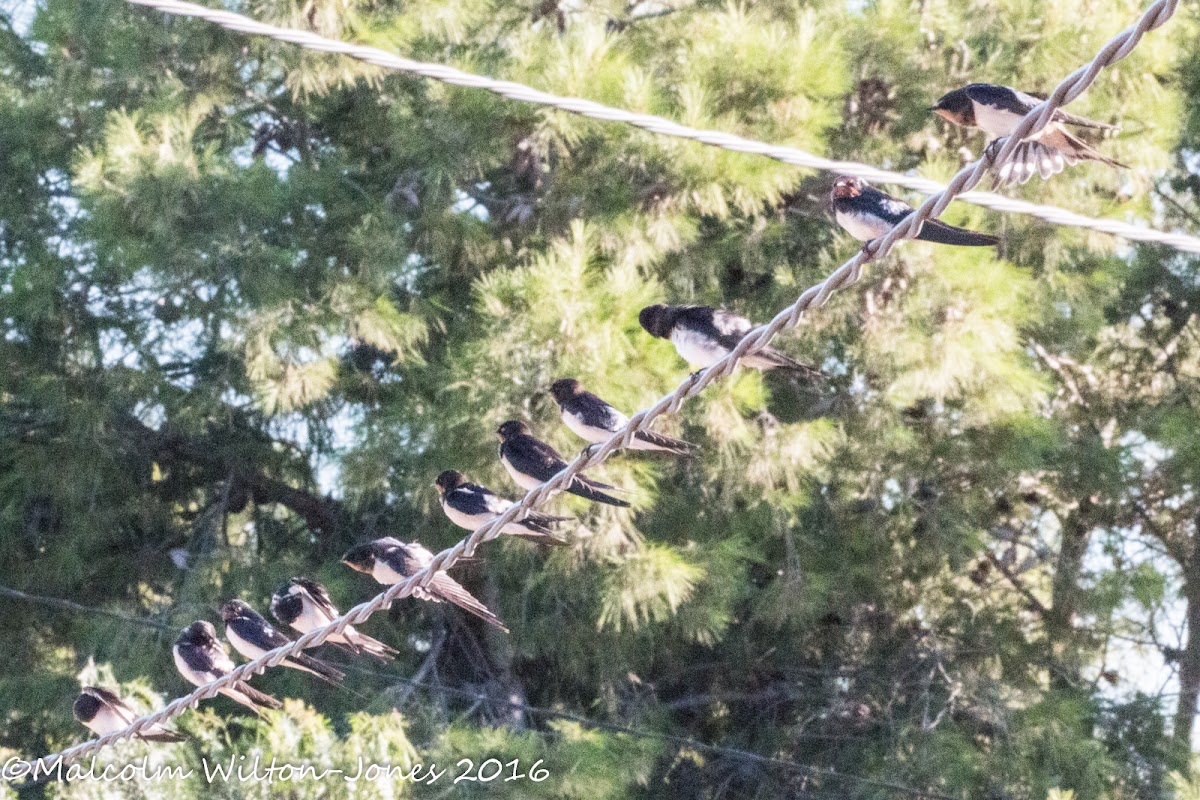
531 456
406 558
1007 99
318 595
396 558
474 499
446 588
493 504
884 206
419 552
1024 103
210 662
114 703
934 230
730 328
218 658
259 632
596 413
1068 118
591 490
1001 98
729 324
287 605
250 697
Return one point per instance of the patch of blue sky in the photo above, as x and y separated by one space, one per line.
466 204
20 13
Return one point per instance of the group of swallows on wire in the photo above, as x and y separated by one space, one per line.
702 336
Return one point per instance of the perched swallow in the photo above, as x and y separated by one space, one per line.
469 505
867 213
996 110
305 605
531 461
252 636
596 421
104 712
390 561
703 336
201 659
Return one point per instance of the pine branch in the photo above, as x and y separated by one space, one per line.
1034 603
322 515
69 605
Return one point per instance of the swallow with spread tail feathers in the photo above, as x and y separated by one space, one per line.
997 110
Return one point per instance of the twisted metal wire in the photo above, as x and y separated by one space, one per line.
665 127
844 276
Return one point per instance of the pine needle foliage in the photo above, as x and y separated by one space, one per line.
254 299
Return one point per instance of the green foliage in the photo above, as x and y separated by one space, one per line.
255 298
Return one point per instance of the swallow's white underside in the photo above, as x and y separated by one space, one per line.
247 649
384 574
107 720
201 678
697 350
472 522
312 618
995 121
862 227
594 435
590 433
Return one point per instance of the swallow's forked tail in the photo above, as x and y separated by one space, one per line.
590 490
443 587
770 358
1046 156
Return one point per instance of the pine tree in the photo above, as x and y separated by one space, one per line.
256 298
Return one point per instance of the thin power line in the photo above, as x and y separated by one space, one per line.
663 126
68 605
845 275
684 741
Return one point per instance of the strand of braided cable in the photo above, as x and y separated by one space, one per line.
665 127
844 276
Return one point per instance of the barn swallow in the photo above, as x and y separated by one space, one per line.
305 605
390 561
201 659
867 213
104 712
531 462
469 506
252 636
996 110
704 335
596 421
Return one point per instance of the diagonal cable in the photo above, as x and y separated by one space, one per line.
663 126
845 275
